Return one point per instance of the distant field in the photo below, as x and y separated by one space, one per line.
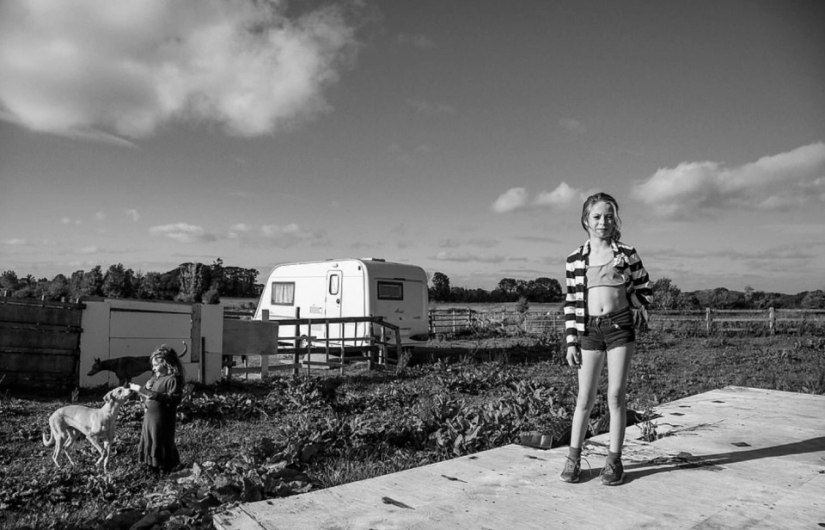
238 303
489 307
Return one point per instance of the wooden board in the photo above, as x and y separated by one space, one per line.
33 313
140 324
11 339
250 337
732 458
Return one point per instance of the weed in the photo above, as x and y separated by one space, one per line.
274 438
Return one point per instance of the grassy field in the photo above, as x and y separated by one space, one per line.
246 441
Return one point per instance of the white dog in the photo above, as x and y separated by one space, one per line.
98 425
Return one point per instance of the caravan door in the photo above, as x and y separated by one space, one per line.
333 303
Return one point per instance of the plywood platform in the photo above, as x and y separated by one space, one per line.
732 459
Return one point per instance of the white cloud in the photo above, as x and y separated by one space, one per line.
563 196
510 200
100 216
425 107
419 41
775 182
183 232
465 257
132 214
573 125
80 68
281 236
513 199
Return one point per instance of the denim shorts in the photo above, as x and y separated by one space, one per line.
605 332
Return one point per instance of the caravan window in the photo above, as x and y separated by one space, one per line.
390 291
334 284
283 293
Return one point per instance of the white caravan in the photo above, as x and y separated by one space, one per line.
339 288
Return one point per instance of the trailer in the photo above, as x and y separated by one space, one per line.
316 291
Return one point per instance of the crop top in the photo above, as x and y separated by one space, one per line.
604 276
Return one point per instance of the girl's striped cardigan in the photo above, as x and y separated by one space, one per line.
575 303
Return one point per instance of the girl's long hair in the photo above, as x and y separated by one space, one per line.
602 197
170 357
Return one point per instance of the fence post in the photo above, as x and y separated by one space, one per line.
382 352
709 319
264 356
296 358
772 320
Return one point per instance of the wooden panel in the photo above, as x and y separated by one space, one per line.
142 324
195 337
27 362
249 337
32 338
35 314
139 347
39 380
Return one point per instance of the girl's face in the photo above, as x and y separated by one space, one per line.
601 220
159 366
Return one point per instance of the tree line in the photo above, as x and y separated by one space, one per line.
541 290
666 295
189 282
201 283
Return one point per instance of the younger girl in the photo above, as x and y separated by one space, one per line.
605 278
161 396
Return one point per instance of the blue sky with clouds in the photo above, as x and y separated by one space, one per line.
460 136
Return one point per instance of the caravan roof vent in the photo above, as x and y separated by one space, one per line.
375 259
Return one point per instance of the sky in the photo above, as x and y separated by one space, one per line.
459 136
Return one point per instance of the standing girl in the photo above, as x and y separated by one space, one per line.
605 278
161 396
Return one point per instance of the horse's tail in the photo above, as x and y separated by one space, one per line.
48 441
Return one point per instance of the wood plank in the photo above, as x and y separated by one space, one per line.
249 337
719 468
140 324
39 327
36 314
196 334
30 338
14 362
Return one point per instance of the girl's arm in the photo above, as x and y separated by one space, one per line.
170 392
639 293
571 331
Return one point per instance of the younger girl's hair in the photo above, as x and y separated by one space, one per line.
170 357
602 197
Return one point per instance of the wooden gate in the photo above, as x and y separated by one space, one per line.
39 343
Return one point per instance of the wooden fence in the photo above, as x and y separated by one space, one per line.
253 342
746 321
39 343
457 321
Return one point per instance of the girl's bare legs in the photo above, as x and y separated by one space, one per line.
618 365
591 369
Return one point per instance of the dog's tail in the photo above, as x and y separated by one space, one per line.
48 441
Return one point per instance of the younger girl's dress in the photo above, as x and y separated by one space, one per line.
157 439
